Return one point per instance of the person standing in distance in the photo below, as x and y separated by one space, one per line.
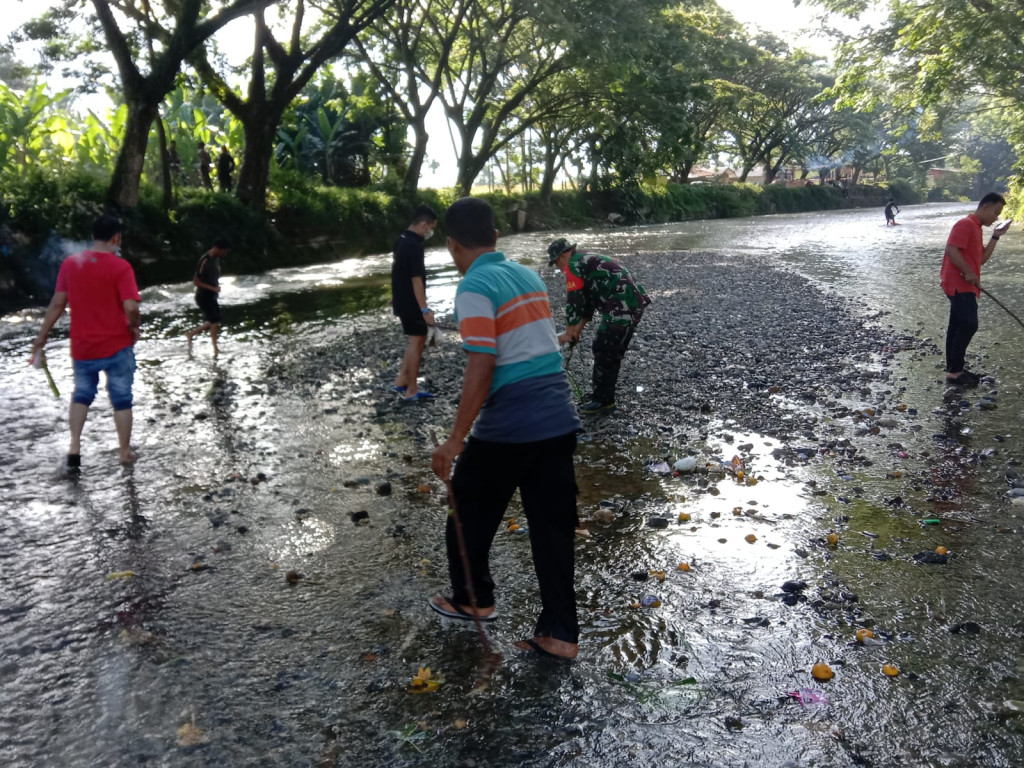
207 283
204 165
225 167
516 409
599 284
101 291
891 209
961 282
409 299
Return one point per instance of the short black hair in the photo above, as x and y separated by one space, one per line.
423 213
105 227
992 197
470 222
223 243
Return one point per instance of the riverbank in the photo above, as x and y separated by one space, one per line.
47 218
150 615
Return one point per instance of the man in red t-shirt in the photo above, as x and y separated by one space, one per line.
100 289
961 282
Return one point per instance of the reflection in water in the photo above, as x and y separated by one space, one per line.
259 464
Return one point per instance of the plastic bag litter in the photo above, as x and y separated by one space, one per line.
807 696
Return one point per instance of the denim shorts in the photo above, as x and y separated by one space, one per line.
120 370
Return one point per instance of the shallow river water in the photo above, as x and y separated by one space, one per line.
146 615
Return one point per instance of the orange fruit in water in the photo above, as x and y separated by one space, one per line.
822 671
940 550
864 634
513 527
891 670
684 517
684 566
833 539
751 538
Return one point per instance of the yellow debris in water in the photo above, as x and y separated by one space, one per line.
683 567
940 550
864 634
891 670
121 575
424 682
751 480
822 671
514 527
751 538
833 539
737 511
684 517
423 488
659 575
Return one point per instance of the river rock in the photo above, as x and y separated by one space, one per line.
932 558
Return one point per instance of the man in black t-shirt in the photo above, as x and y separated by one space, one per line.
409 298
207 283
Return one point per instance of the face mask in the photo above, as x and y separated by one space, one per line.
430 234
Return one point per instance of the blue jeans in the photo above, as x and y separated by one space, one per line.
120 370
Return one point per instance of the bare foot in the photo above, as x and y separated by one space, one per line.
551 646
128 456
188 338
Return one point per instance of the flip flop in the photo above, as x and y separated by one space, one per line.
420 396
539 650
399 389
458 613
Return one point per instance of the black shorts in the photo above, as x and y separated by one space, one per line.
413 324
210 306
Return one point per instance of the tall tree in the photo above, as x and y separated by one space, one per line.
292 65
149 40
408 51
782 105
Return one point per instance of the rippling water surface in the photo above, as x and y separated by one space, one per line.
145 617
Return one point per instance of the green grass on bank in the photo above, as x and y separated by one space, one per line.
307 224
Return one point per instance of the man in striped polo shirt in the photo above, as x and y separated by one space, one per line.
517 411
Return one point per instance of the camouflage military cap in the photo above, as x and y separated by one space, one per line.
557 248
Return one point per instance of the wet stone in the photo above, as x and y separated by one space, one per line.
657 523
639 576
931 558
733 723
794 586
383 488
967 628
359 516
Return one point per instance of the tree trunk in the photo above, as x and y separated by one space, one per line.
547 182
124 183
856 175
746 172
419 155
254 173
165 166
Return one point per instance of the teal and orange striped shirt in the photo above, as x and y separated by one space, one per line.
503 310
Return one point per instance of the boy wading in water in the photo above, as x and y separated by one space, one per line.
207 283
409 299
516 409
100 289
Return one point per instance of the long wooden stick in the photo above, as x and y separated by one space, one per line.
493 658
997 301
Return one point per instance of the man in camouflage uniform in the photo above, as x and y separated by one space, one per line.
599 284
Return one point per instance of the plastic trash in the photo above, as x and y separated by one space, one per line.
659 468
685 464
808 696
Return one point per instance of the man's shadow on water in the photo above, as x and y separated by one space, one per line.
951 476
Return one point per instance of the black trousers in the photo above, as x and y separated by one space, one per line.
610 345
486 475
963 324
